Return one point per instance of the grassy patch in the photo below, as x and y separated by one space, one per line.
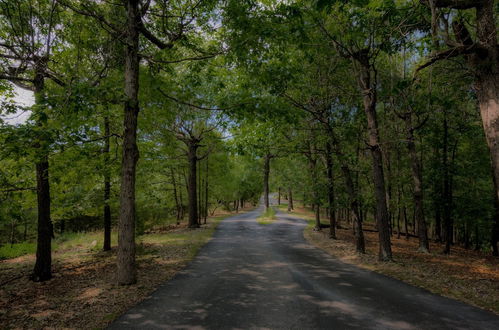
16 250
267 217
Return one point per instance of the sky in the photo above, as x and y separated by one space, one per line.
24 98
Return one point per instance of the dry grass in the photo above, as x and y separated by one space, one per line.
82 293
465 275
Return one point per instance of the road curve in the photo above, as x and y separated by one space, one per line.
252 276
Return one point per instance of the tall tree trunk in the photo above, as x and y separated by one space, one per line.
405 223
175 195
389 190
360 245
477 238
398 220
417 179
312 161
368 86
12 230
495 226
279 196
126 273
290 200
317 211
43 265
107 186
447 207
200 193
484 62
487 90
181 199
193 204
206 193
330 192
25 233
266 173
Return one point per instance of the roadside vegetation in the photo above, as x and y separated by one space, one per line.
119 118
82 293
267 217
468 276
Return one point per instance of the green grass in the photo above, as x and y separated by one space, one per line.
283 207
16 250
67 243
267 217
74 243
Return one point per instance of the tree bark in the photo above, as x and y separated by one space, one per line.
126 273
43 265
484 62
447 197
360 245
290 200
312 161
330 192
206 193
487 90
417 179
107 186
317 210
266 173
279 196
193 204
181 200
200 193
175 195
369 98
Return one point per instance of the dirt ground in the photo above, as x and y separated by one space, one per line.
82 293
465 275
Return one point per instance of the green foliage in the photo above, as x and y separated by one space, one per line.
16 250
267 217
247 79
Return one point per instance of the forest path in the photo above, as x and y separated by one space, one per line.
267 276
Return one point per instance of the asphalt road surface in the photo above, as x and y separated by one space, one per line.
252 276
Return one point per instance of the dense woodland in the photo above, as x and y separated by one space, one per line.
156 112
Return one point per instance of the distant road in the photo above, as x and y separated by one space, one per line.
267 276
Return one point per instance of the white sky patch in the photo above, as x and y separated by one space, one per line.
24 98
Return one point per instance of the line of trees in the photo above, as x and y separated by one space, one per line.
399 82
365 108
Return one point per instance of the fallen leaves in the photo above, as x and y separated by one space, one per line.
82 293
465 275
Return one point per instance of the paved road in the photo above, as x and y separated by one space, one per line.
267 276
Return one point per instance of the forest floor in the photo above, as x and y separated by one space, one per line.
465 275
82 292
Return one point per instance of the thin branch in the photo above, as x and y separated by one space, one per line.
198 106
152 38
194 58
448 53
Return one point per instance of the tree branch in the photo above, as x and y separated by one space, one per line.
152 38
198 106
454 4
449 53
194 58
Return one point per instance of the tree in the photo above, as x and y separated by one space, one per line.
482 56
28 39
